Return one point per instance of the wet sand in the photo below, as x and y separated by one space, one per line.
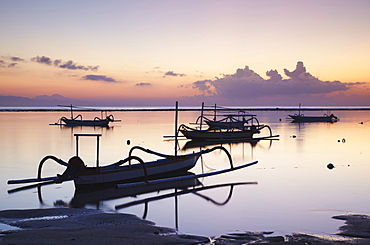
85 226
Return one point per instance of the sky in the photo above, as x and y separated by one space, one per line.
229 52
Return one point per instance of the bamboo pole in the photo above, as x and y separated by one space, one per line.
201 116
176 131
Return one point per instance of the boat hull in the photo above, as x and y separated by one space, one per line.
218 135
298 118
96 123
225 125
135 172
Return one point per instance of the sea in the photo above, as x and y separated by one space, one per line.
305 176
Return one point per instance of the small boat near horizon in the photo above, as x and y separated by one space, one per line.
74 121
301 118
325 118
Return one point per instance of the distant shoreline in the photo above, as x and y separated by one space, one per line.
24 109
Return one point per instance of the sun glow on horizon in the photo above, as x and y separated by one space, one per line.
177 49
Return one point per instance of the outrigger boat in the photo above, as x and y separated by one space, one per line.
78 121
239 126
325 118
123 171
227 121
301 118
97 122
246 132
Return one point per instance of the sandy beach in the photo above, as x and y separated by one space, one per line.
85 226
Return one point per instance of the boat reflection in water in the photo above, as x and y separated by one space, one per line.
170 189
85 196
200 143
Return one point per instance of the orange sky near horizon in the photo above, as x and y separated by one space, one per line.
167 49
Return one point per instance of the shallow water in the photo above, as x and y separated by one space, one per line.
295 191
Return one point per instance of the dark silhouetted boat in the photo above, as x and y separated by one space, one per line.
325 118
78 121
123 171
213 134
301 118
225 127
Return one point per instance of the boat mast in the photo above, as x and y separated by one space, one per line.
214 118
201 116
71 112
176 131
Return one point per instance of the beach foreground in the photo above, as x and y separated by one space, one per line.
85 226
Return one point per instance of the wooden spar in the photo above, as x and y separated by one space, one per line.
121 186
71 106
71 112
201 116
238 139
215 116
272 137
171 136
97 145
31 186
23 181
176 131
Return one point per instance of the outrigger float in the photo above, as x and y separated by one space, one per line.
123 171
78 121
230 127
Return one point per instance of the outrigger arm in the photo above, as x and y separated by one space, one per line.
39 179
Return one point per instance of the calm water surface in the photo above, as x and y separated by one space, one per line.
295 191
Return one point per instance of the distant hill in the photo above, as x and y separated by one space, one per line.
41 100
